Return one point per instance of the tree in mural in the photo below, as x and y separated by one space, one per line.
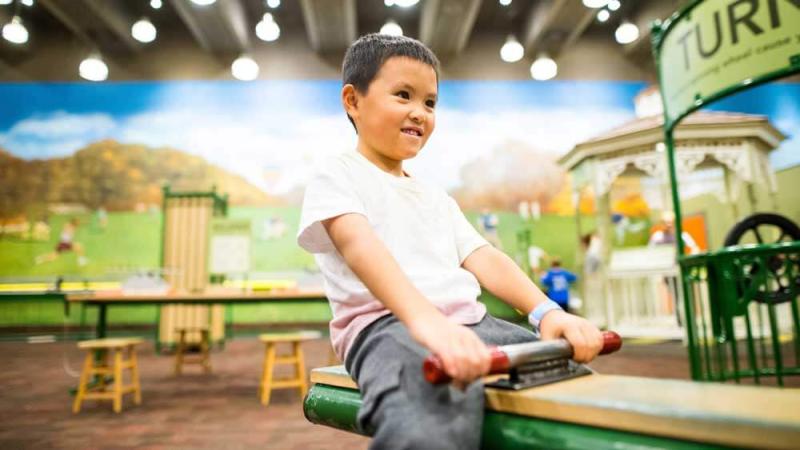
512 173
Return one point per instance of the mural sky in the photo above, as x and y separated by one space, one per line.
273 132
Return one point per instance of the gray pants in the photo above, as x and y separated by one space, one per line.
401 410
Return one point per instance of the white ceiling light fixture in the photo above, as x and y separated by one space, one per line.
15 32
544 68
392 29
144 31
267 29
273 3
595 3
204 2
512 51
614 5
27 2
603 15
93 68
505 2
405 3
245 68
155 4
626 33
388 2
5 2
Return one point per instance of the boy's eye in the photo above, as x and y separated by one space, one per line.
403 94
430 103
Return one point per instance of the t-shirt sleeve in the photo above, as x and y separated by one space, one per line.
330 194
467 238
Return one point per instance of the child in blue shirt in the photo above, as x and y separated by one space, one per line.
557 281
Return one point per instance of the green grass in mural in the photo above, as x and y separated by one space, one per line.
132 240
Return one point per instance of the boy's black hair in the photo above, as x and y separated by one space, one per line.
365 57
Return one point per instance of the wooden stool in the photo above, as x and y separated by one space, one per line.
295 358
96 363
183 345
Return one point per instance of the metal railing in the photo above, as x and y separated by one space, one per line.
741 306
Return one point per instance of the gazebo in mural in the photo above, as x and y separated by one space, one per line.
636 290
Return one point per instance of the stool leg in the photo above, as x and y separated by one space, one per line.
137 388
102 359
266 376
87 367
179 352
300 365
117 380
204 348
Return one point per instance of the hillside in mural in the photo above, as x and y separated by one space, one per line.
114 176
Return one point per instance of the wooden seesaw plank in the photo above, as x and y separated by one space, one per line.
729 415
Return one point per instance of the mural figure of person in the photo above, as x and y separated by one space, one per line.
557 281
665 234
102 218
66 243
487 224
535 256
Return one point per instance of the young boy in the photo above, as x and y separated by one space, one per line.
402 265
557 281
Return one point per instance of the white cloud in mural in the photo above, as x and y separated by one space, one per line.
276 156
57 134
277 153
461 137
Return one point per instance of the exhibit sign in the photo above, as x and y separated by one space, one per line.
715 47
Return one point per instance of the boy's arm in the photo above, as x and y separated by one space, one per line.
463 355
502 277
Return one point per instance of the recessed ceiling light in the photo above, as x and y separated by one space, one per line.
603 15
267 29
512 51
544 68
15 32
155 4
392 29
93 69
626 33
204 2
245 68
595 3
144 31
614 5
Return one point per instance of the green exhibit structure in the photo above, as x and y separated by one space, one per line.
740 302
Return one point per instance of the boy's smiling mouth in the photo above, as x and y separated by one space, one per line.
413 131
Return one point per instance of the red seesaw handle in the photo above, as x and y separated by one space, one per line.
433 369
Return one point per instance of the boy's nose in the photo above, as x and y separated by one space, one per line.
416 115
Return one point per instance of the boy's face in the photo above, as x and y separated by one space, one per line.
395 116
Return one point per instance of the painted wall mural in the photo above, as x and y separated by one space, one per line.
87 161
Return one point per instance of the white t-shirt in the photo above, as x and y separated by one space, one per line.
423 228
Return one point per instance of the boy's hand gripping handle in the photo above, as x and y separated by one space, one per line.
508 356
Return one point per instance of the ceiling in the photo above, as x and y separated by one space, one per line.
225 29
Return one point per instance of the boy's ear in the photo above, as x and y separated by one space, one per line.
350 100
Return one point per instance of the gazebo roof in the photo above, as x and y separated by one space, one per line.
648 131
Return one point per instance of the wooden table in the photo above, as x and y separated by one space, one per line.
103 299
605 412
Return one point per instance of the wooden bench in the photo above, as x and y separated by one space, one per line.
97 363
604 411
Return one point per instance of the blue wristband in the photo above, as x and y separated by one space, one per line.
538 313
